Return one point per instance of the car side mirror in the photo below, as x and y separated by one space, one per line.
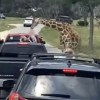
1 41
9 83
43 42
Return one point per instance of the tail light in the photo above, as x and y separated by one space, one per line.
23 44
70 71
16 96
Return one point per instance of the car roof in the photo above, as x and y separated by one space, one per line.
63 63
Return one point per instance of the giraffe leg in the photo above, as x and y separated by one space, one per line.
63 47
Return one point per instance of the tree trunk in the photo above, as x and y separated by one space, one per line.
85 14
85 18
91 29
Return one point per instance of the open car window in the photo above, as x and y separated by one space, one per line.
13 39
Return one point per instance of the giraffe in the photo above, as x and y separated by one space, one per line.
68 37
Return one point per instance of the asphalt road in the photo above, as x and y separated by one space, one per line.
20 29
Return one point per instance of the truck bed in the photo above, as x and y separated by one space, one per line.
11 67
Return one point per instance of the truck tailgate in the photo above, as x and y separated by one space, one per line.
17 48
11 67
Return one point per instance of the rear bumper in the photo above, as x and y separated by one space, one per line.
27 25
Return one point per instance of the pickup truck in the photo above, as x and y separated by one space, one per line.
16 37
13 57
22 48
10 69
13 44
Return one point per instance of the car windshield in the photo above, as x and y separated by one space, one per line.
60 85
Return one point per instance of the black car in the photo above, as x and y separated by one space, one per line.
2 16
58 77
65 19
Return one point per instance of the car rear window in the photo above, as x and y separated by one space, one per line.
40 85
13 39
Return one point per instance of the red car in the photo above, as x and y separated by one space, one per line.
22 37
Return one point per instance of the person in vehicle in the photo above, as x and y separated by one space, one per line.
25 39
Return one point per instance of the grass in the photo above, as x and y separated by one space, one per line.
4 23
52 37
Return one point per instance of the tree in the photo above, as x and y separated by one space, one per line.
90 4
50 8
6 5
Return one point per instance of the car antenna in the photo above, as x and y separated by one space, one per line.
69 63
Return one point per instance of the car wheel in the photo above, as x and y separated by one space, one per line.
24 25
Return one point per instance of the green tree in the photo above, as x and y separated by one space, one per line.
90 4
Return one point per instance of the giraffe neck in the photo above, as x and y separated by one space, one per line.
53 24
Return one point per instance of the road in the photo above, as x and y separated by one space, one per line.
20 29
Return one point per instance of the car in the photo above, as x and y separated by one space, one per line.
13 56
28 22
65 19
58 77
16 37
2 16
10 69
21 44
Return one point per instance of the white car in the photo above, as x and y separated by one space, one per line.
28 21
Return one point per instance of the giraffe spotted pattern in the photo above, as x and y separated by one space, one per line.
68 37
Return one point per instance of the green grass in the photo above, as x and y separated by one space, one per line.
4 23
84 33
52 37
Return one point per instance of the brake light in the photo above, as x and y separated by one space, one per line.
15 96
70 71
23 43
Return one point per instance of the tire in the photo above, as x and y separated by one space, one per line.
24 25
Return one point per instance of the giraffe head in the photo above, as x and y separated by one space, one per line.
69 51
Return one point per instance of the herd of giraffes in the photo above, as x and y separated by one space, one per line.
69 38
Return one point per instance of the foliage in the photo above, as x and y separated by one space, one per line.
45 8
82 23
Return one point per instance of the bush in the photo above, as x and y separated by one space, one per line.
82 23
